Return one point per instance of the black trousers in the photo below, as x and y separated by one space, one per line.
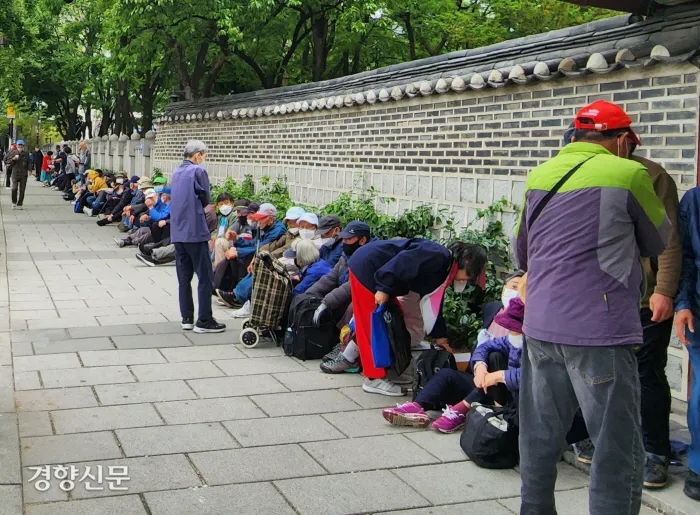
228 272
190 259
652 357
18 183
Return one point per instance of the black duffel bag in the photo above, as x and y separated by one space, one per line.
490 436
305 340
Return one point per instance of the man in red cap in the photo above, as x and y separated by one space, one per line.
588 216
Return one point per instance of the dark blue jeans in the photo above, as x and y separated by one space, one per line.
190 259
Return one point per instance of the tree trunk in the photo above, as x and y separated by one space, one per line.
319 36
410 35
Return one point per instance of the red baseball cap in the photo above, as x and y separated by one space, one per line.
604 116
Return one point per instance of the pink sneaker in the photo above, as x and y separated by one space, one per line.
407 414
450 421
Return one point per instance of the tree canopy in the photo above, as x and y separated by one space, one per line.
119 61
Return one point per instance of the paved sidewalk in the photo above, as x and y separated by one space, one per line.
96 371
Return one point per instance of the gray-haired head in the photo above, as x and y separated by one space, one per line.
307 253
195 147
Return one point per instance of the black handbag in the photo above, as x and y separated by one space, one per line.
490 436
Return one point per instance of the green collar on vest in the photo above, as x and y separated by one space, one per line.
586 148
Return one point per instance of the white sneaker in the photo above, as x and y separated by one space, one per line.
382 387
20 208
243 312
14 206
87 211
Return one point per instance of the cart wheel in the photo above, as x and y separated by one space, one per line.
246 324
249 338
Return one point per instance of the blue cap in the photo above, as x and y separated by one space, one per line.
289 253
355 228
569 134
166 190
20 142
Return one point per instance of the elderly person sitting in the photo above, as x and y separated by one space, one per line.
229 272
232 223
155 221
311 267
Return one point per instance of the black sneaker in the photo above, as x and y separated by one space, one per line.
188 323
655 471
692 485
210 326
584 451
228 298
146 259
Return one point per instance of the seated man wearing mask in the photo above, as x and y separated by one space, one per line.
232 220
331 244
239 256
291 218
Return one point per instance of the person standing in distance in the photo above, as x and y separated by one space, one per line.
190 194
588 215
17 165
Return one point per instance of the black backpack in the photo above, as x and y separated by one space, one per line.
399 338
490 436
307 341
428 364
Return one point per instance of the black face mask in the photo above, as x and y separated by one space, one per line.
350 248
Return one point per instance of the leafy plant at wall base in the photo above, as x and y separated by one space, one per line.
157 172
463 312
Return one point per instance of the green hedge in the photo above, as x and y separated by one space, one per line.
463 312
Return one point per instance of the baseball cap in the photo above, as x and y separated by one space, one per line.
569 134
145 182
150 193
166 190
134 179
604 116
356 228
265 210
241 206
159 180
294 213
20 142
310 218
328 222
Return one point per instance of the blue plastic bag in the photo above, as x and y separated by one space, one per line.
381 346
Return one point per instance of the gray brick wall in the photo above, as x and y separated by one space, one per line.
459 150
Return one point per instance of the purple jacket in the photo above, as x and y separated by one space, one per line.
502 345
189 187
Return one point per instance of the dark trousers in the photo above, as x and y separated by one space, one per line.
229 272
190 259
8 176
497 393
447 387
603 381
652 357
18 183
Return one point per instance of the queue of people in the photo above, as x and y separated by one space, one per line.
597 237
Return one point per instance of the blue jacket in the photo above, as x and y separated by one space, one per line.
260 238
161 211
502 345
190 194
310 275
688 296
331 253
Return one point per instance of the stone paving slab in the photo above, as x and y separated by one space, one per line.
103 358
235 386
303 403
146 474
112 330
46 362
249 499
361 492
9 450
365 423
34 423
60 346
86 376
569 502
11 499
237 367
135 393
150 341
125 505
308 380
202 353
104 418
444 447
27 381
173 371
480 508
208 410
52 399
61 449
282 430
255 464
174 439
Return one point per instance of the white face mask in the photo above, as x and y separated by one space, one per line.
120 181
327 241
226 210
508 295
516 340
307 234
459 286
294 230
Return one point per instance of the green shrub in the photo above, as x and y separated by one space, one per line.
462 311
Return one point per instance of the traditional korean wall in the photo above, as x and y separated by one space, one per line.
460 151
